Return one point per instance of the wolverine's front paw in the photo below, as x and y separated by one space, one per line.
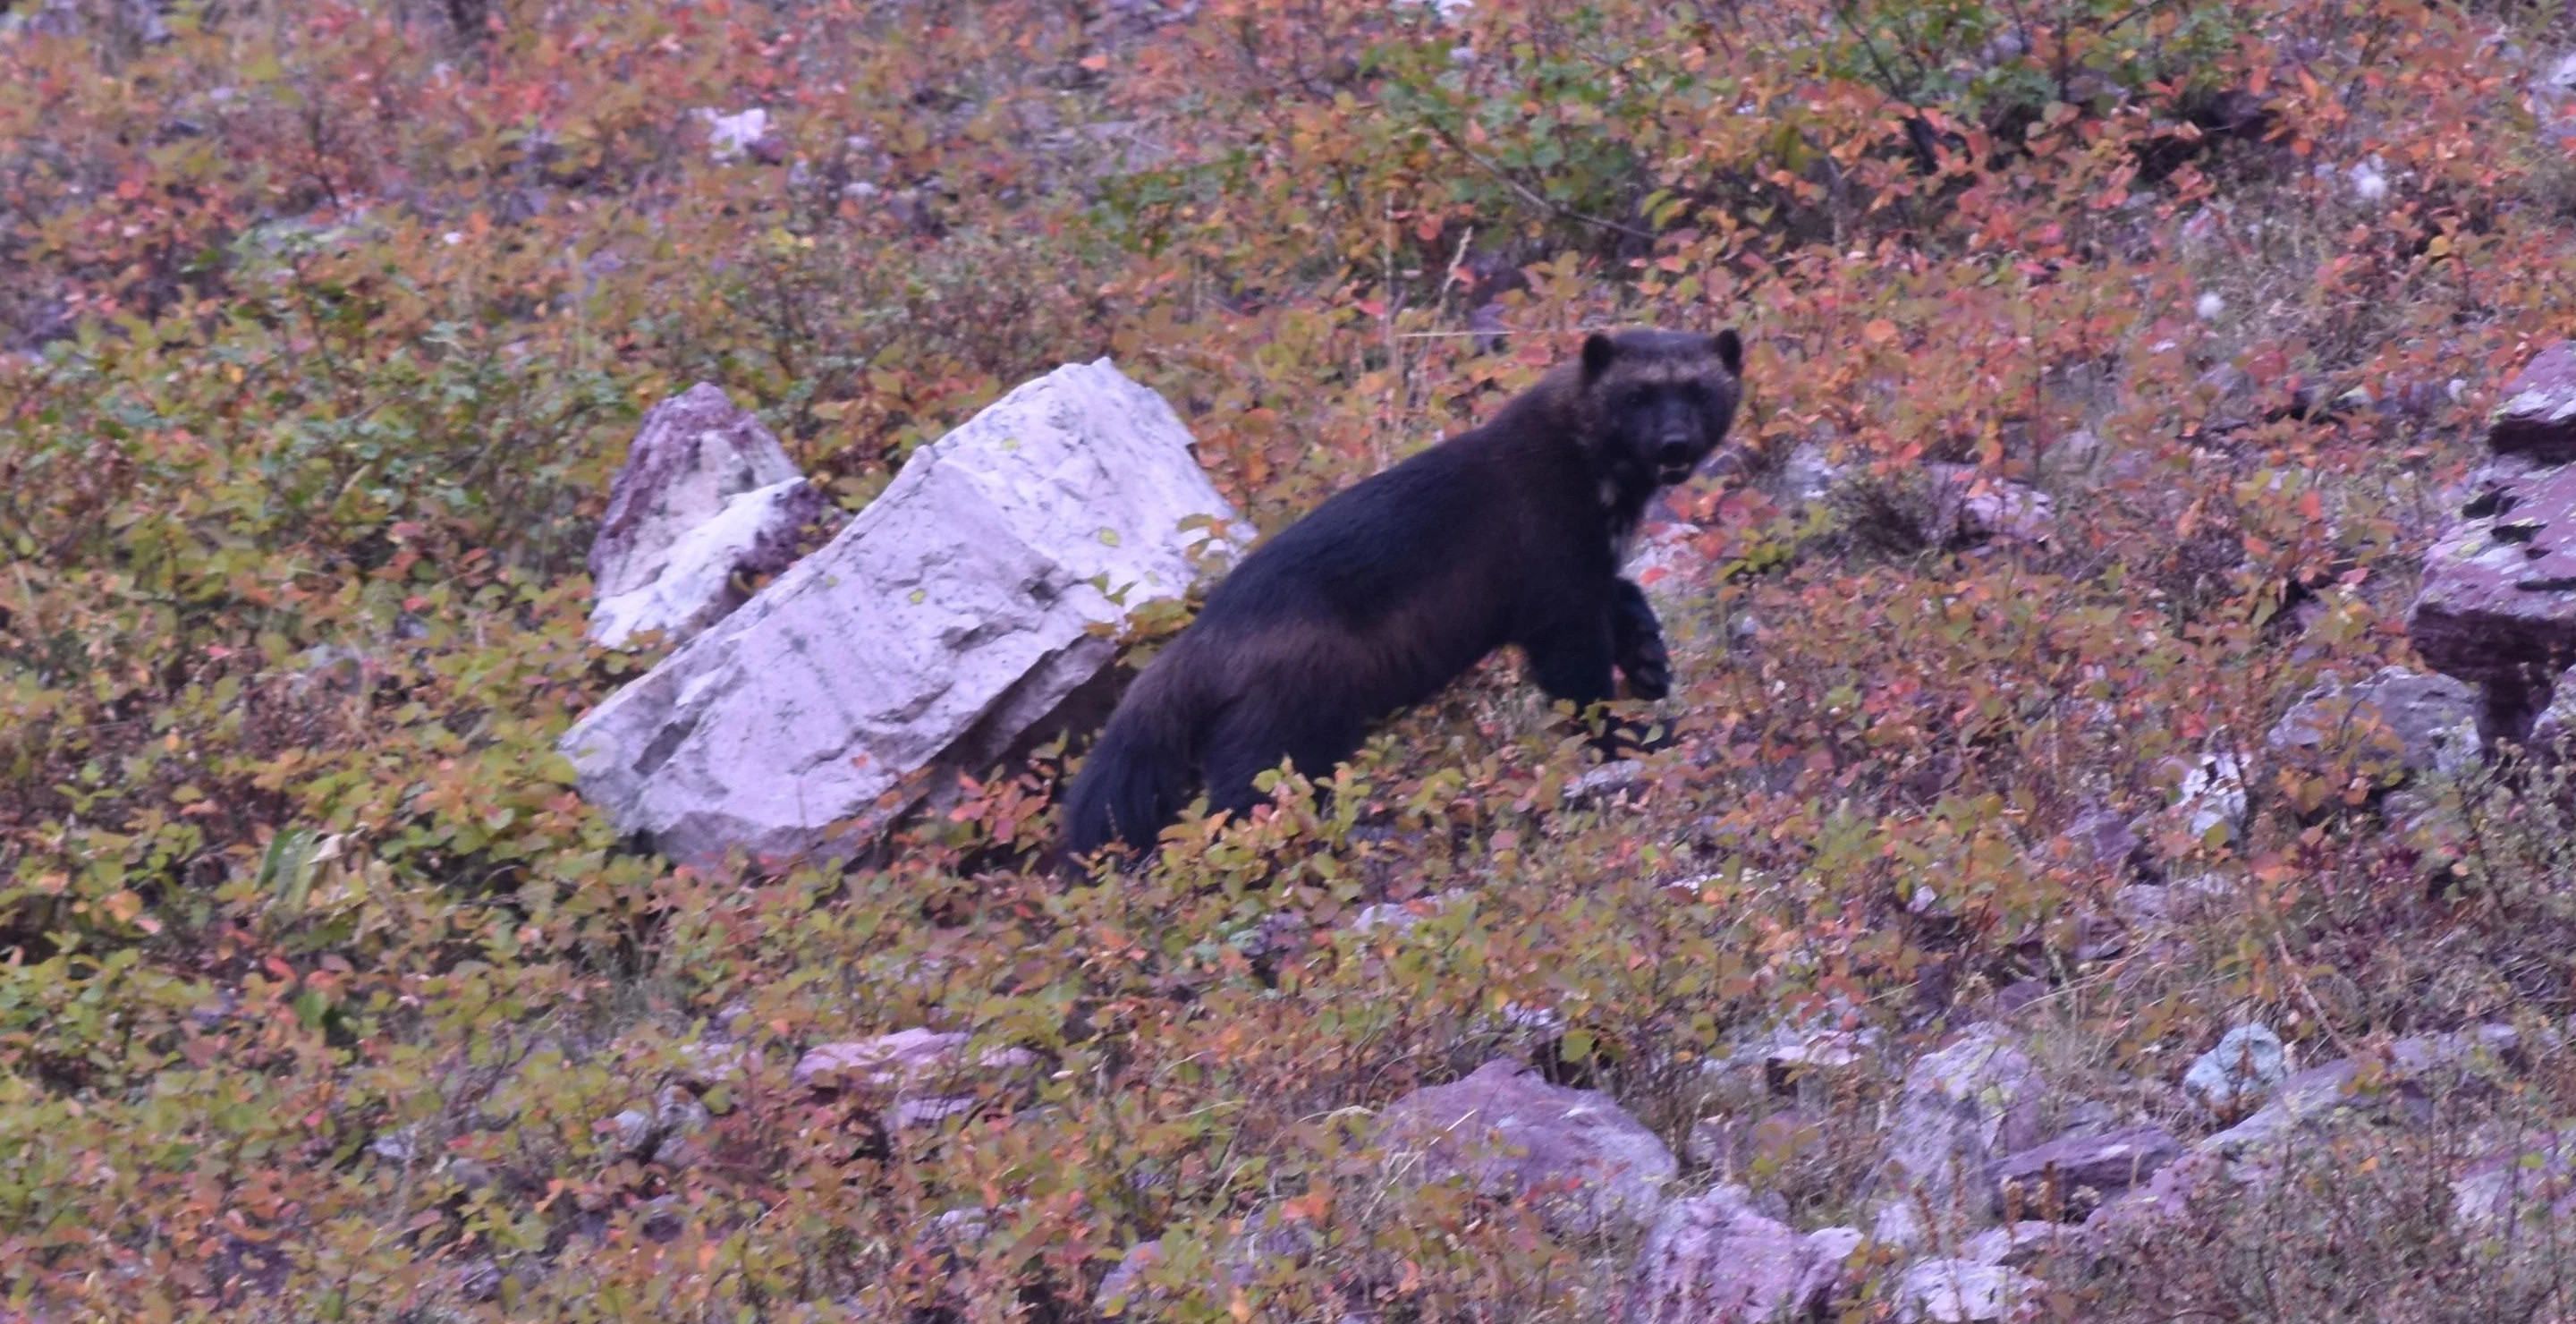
1649 671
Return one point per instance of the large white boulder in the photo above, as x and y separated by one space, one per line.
947 619
706 494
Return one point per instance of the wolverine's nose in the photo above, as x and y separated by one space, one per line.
1673 454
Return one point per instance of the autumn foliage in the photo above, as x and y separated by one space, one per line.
322 993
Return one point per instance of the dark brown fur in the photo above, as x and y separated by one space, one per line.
1511 533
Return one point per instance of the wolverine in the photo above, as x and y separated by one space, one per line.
1510 533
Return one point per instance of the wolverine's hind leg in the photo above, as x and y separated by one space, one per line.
1257 731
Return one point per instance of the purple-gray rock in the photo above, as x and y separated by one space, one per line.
1716 1260
706 494
2498 602
2069 1178
2426 723
1960 1291
2538 416
1576 1154
1961 1109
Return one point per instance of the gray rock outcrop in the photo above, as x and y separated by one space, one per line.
1576 1154
706 494
2425 723
960 610
1962 1108
1716 1260
2498 603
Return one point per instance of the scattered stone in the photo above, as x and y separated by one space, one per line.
1393 917
1961 1109
1123 1284
948 623
1803 479
1971 507
2427 723
2211 796
478 1280
900 1061
706 494
743 133
2020 995
1716 1260
334 670
2394 1081
2018 1245
633 1130
1577 1154
1612 782
2519 1182
2161 1201
1735 1148
2070 1177
2248 1061
2101 838
1964 1292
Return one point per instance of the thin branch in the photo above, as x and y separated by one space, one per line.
1532 196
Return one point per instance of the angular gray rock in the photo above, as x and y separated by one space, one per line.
2397 1081
2538 416
1962 1108
706 493
916 1078
1125 1284
1969 507
2553 730
2016 1245
2533 1181
2426 723
2497 606
1579 1157
2169 1198
1965 1292
2071 1177
1805 477
1715 1260
2248 1061
902 1061
954 614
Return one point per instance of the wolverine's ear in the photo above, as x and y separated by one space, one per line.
1729 350
1598 350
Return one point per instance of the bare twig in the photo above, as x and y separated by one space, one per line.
1534 197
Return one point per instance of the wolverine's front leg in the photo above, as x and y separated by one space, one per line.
1571 660
1637 642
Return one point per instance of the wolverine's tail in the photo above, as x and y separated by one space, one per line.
1139 771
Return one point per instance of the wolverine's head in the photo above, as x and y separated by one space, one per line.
1657 402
